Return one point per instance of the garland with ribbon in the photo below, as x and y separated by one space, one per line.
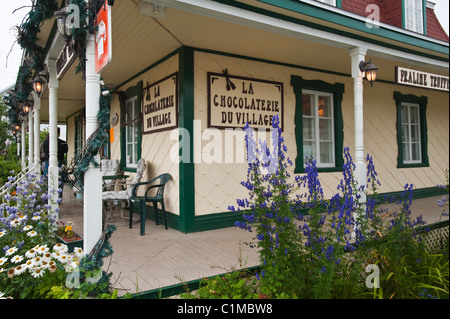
34 62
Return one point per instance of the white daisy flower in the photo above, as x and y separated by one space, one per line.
35 218
56 254
3 260
27 227
42 249
47 256
45 264
78 251
32 233
14 222
2 233
37 272
29 263
37 261
17 259
64 258
10 251
30 253
62 248
19 269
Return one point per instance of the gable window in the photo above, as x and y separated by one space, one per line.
318 124
330 2
411 130
131 127
414 15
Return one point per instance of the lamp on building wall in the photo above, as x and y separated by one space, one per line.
61 18
27 106
370 71
39 83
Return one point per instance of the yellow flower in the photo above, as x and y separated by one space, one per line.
68 228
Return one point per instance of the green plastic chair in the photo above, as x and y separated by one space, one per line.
157 183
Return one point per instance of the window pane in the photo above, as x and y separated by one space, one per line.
324 106
414 115
325 130
415 151
405 115
309 130
406 152
326 152
309 149
307 104
405 133
415 133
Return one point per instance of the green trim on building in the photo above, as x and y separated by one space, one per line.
345 21
422 101
186 121
337 89
131 92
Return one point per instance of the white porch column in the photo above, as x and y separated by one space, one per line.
357 55
23 137
92 177
37 129
53 172
31 140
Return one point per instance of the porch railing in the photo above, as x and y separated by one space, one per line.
10 184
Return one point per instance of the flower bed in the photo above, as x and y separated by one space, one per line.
312 247
32 263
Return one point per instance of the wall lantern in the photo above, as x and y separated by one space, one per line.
61 19
38 83
27 107
370 70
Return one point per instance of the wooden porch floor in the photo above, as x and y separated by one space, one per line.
164 258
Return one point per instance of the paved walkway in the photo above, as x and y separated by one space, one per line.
167 257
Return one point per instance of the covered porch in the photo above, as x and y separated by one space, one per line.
162 262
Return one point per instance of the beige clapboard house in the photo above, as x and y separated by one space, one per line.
170 74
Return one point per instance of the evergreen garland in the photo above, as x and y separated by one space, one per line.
27 39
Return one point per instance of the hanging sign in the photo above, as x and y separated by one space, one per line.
64 61
421 79
160 105
233 101
103 39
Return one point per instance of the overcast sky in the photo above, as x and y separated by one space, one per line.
9 64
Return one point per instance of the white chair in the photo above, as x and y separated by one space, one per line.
114 198
109 168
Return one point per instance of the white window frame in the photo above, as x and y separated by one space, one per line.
316 117
330 2
407 122
412 12
132 108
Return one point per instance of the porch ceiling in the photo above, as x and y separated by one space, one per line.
139 41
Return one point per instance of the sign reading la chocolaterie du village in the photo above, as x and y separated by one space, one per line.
421 79
160 105
233 101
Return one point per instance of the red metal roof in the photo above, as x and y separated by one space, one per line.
391 13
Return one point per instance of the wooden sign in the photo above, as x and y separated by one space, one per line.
421 79
160 105
233 101
64 61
